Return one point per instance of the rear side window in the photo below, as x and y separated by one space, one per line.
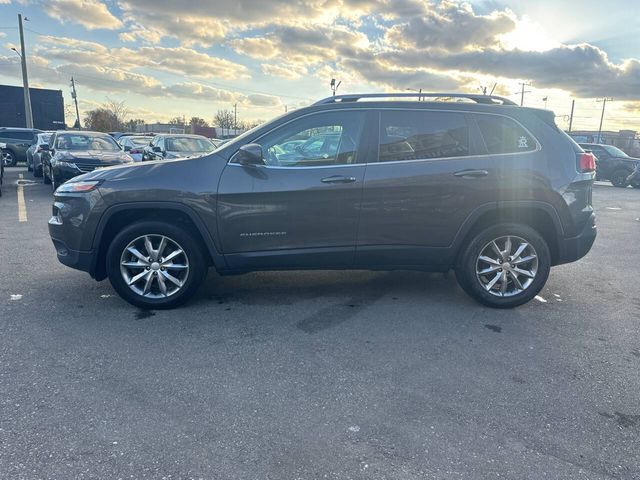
18 135
503 135
416 135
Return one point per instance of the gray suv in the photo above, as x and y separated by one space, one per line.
495 191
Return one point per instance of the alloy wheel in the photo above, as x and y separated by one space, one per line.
7 158
154 266
507 266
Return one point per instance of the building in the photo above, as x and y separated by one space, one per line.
47 107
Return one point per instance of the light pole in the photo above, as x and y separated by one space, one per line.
25 79
334 85
419 93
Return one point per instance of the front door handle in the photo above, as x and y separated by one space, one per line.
338 179
471 173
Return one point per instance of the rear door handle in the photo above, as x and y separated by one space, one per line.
338 179
471 173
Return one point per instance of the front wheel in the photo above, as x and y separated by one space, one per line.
504 266
8 158
619 178
46 179
155 265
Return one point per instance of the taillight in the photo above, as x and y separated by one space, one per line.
586 162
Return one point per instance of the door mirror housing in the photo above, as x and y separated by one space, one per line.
127 148
157 149
44 147
249 154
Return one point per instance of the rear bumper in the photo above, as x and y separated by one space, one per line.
574 248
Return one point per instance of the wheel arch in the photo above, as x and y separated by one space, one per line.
115 218
541 216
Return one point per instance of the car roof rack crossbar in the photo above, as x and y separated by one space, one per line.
484 99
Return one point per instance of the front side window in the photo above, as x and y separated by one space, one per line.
504 135
317 140
188 144
418 135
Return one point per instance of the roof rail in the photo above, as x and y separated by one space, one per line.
484 99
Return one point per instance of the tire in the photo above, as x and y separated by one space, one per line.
479 286
177 238
619 178
37 172
54 183
9 158
46 179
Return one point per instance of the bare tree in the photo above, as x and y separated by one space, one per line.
118 109
224 119
198 122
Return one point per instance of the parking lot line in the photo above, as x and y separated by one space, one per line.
22 207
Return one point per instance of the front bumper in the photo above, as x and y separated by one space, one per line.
574 248
74 258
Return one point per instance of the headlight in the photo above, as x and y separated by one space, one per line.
66 164
78 187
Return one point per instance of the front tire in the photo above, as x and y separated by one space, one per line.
504 266
619 178
8 158
155 265
46 179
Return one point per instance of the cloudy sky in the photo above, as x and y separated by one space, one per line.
178 57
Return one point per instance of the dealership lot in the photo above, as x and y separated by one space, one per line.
318 374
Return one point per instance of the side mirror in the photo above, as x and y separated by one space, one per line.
127 148
44 147
157 149
249 154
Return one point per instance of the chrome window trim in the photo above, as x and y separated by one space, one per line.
463 112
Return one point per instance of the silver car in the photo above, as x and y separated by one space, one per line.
34 154
134 145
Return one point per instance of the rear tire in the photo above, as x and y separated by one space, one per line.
530 275
45 177
619 178
8 158
122 274
37 172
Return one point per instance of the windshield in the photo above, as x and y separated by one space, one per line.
188 144
78 141
138 141
614 151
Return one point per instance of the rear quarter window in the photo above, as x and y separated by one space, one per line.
504 135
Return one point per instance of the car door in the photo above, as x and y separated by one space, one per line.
433 170
298 209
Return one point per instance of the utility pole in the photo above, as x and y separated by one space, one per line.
25 80
334 86
573 104
235 116
604 104
74 95
522 92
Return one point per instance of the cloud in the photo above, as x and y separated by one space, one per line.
91 14
179 60
451 27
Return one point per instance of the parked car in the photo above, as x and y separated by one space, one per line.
134 145
172 146
612 163
34 153
17 141
73 153
2 147
495 191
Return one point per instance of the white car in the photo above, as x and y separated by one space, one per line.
134 145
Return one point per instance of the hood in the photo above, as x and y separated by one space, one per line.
94 156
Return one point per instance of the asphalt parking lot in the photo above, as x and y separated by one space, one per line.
304 375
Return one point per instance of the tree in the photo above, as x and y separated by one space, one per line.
198 122
224 119
108 117
176 121
133 124
102 120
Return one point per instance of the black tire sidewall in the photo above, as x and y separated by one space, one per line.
14 159
466 267
191 247
619 174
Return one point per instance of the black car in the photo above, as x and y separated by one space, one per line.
17 141
72 153
495 191
612 163
170 146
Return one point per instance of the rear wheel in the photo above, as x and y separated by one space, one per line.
155 265
8 158
504 266
37 171
46 179
619 178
